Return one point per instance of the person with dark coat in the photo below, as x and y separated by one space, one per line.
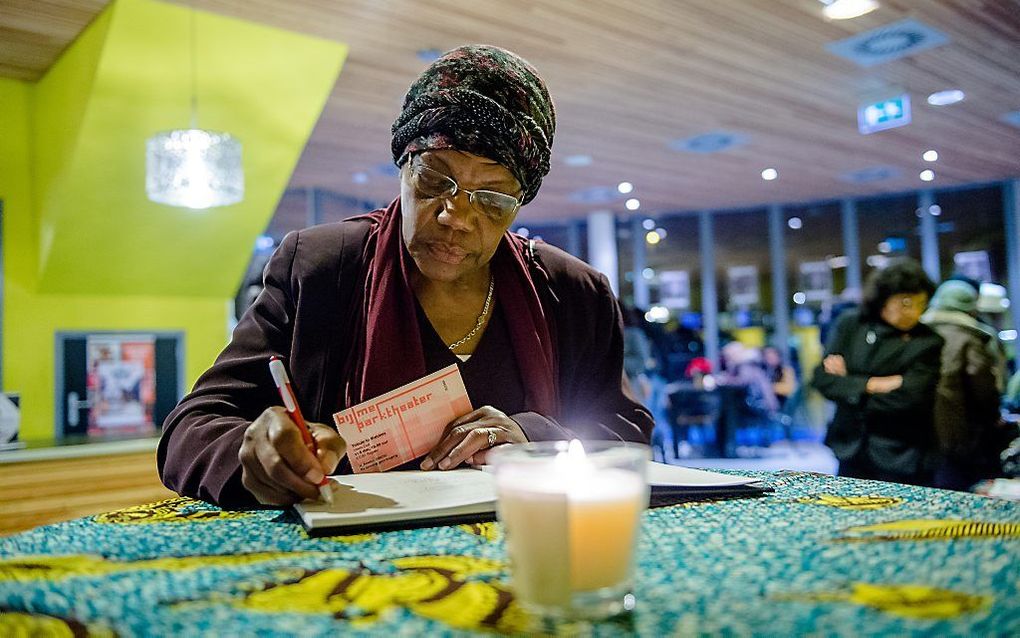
967 398
363 306
881 367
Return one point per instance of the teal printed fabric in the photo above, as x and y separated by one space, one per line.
821 555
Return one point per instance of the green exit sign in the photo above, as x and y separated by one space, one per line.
878 116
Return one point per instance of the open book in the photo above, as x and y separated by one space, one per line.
400 500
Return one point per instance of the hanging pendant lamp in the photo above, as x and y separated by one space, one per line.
193 167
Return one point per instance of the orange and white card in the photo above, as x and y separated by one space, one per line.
403 424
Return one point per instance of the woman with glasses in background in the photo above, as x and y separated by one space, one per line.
366 305
881 367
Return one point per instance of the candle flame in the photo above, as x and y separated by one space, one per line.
575 450
573 463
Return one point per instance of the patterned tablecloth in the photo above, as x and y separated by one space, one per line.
822 555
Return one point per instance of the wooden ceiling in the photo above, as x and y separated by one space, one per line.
630 77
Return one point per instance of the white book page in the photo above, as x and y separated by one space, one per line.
676 476
660 474
394 496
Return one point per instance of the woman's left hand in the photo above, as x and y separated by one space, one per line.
469 438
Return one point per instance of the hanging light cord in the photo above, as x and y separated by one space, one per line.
194 72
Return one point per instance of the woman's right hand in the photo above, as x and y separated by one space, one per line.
835 364
277 468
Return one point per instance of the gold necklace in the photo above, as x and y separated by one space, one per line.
478 322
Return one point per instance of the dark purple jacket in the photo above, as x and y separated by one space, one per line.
302 317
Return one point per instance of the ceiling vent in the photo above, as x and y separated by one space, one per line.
891 42
706 143
870 175
595 195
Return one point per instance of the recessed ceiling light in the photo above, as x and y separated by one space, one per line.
648 273
577 160
930 156
625 187
633 203
523 232
935 210
769 174
799 298
652 237
927 175
428 55
847 9
648 224
949 96
1012 118
661 232
796 223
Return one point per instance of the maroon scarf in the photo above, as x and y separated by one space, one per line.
387 351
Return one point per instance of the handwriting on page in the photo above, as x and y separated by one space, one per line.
403 424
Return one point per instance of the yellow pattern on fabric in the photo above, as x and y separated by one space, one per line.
457 566
910 601
173 510
17 624
488 531
852 502
349 538
436 587
930 529
30 568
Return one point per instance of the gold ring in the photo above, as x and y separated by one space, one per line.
492 438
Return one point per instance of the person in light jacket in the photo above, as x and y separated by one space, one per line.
967 397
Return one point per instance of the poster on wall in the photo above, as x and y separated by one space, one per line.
816 280
675 289
121 384
743 288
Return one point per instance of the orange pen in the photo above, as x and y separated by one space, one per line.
279 372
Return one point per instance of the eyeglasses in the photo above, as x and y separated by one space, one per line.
908 302
431 184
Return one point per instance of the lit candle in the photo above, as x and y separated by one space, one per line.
572 521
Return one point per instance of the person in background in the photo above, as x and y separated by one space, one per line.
371 303
992 305
742 367
782 376
990 308
699 371
637 354
881 366
967 396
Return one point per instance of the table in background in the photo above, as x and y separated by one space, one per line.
822 555
57 482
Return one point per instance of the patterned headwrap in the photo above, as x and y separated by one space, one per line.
483 100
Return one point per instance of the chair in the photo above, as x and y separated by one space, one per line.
690 406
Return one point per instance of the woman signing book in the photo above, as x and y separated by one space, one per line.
363 306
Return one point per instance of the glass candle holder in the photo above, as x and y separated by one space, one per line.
571 514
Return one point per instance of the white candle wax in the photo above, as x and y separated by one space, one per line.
571 527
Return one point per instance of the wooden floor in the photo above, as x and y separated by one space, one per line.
36 493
